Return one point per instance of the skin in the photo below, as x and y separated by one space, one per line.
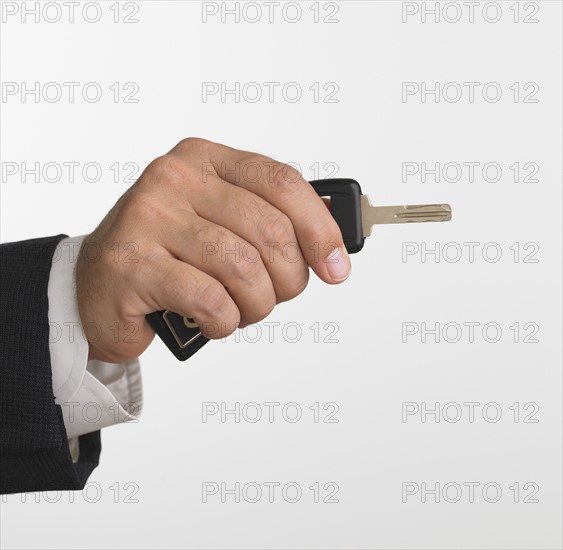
210 232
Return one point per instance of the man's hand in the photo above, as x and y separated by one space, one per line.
212 233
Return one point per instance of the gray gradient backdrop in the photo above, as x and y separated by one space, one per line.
367 132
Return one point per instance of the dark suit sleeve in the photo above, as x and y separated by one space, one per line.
34 451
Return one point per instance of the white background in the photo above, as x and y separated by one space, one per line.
370 453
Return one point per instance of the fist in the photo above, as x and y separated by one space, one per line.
213 233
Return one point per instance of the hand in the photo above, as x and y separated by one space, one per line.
212 233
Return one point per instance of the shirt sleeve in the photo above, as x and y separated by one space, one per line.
92 394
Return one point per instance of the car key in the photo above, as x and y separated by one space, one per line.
355 216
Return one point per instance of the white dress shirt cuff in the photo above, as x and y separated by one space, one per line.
92 394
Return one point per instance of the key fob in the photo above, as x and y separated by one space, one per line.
183 336
346 209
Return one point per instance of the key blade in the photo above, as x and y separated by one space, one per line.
372 215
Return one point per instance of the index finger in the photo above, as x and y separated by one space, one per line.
283 186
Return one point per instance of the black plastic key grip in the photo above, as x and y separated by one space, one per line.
183 337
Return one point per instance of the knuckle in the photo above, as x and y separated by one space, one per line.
287 292
166 170
248 271
203 233
194 144
212 299
206 234
285 178
251 254
276 227
261 309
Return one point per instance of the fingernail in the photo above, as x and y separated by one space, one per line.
338 265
